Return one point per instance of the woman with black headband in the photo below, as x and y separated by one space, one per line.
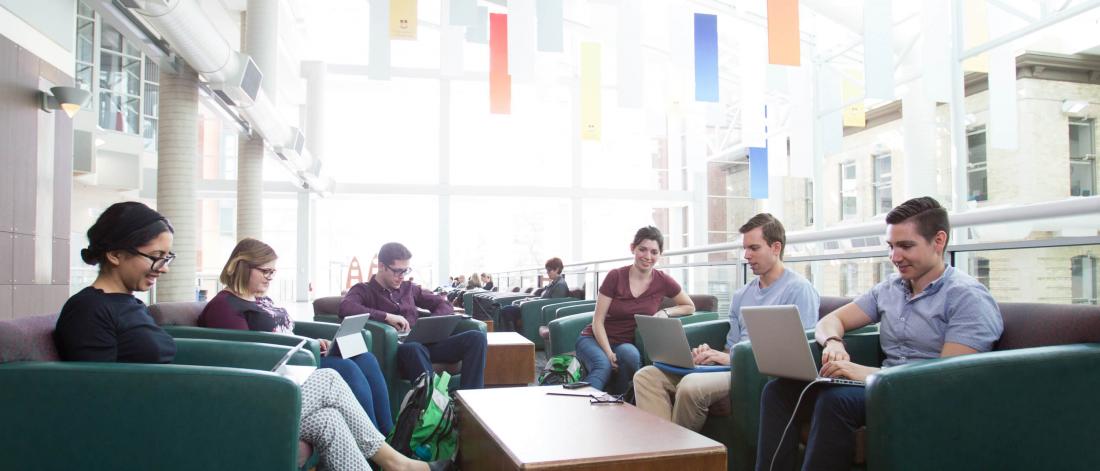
104 322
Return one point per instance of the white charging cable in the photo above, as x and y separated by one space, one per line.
789 422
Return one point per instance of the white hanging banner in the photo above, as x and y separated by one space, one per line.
479 31
629 48
681 71
550 15
878 51
461 12
753 67
936 50
378 56
451 43
1003 118
522 35
832 124
918 123
801 122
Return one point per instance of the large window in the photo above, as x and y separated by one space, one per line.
976 178
151 110
884 199
979 269
85 46
1085 281
1082 157
848 208
119 83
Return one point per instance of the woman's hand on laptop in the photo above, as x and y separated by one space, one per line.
324 345
847 370
398 322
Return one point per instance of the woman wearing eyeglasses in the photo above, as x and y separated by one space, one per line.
243 305
104 322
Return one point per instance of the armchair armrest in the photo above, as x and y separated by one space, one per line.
530 313
577 308
564 332
247 355
71 415
190 332
1032 408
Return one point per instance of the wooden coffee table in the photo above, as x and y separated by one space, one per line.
524 428
509 360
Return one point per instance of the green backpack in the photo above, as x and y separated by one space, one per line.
561 369
425 426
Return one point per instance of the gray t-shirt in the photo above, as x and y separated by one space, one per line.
955 308
790 288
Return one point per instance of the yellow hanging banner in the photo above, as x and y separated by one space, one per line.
591 101
403 19
977 33
855 115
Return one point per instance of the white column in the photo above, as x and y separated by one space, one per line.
304 273
177 174
315 74
250 187
443 254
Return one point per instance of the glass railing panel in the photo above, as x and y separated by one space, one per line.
1060 275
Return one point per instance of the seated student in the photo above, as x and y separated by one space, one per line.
606 347
486 282
557 288
243 305
686 399
104 322
390 299
475 282
927 310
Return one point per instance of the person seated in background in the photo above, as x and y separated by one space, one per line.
388 298
243 305
926 310
486 282
606 347
557 288
686 399
459 281
474 282
132 244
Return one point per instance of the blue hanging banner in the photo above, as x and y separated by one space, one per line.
758 171
706 57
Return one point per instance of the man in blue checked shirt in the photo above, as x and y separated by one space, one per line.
926 310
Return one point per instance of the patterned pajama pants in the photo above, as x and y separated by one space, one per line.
334 422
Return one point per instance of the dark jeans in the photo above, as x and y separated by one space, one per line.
600 374
364 377
834 413
414 358
509 318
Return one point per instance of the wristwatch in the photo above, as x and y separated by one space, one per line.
838 339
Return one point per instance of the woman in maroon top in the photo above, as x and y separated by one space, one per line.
606 347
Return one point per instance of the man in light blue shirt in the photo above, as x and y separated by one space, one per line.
686 399
926 310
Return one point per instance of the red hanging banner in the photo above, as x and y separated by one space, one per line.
500 83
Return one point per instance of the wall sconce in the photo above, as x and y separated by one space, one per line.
67 99
1073 106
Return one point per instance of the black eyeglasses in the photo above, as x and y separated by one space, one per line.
399 271
268 273
157 262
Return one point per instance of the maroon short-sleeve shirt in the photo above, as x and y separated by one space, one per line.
619 322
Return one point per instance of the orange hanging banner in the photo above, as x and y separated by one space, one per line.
500 83
783 39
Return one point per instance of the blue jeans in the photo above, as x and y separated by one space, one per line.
364 377
414 358
834 413
600 374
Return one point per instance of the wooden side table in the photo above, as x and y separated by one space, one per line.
510 360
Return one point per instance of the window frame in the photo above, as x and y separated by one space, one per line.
977 168
882 182
848 189
1087 160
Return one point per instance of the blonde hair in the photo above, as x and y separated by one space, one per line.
248 254
473 281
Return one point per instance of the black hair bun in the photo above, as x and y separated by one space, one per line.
91 257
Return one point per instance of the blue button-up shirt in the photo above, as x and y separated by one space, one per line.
955 308
790 288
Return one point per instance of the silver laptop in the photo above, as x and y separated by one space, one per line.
348 341
296 373
431 329
780 345
667 346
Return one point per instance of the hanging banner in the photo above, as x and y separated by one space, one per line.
629 49
783 39
753 71
878 50
550 16
935 50
854 114
591 105
479 32
1003 119
758 173
378 54
522 35
462 12
680 75
976 29
500 83
706 57
403 19
832 124
451 45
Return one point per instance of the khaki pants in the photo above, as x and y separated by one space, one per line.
681 399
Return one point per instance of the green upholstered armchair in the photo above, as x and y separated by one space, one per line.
382 342
100 416
530 313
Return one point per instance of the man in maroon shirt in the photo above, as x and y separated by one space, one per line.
388 298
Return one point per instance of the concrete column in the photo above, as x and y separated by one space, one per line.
313 113
250 187
177 177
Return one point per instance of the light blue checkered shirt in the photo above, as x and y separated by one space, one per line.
790 288
955 308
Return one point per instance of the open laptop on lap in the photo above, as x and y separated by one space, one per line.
348 341
667 345
296 373
780 345
431 329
